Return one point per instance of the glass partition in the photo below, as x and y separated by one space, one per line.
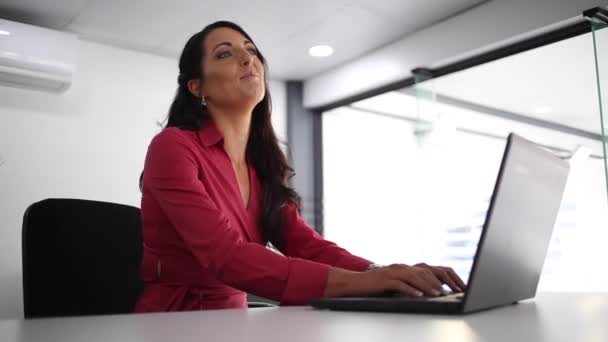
408 174
599 25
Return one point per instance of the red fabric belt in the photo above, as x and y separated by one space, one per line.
180 270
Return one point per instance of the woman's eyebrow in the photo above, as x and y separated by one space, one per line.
220 44
230 44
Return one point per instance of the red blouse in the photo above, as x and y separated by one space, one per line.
203 247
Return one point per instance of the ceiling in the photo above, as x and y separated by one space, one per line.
283 30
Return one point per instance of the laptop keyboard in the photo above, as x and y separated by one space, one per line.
447 297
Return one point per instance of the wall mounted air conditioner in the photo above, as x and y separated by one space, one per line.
33 57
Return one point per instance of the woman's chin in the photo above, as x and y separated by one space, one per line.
253 95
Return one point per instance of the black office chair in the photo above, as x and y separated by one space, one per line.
80 257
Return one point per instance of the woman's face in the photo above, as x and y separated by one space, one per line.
233 75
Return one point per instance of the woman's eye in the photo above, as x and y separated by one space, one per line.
228 54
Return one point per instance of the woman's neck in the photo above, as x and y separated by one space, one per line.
235 129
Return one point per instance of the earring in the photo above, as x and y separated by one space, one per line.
203 101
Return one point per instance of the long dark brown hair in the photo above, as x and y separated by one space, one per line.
263 150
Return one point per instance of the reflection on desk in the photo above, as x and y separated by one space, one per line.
549 317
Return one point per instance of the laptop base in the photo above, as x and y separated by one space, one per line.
388 304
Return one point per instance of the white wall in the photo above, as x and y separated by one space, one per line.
278 90
469 33
89 142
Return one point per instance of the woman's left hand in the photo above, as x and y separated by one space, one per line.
447 276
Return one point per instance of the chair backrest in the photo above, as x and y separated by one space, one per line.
80 257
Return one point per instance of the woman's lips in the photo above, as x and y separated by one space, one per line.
249 75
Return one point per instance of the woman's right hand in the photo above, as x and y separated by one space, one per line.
413 281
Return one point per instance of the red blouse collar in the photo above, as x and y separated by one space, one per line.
209 134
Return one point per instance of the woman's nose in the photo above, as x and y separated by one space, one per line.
246 57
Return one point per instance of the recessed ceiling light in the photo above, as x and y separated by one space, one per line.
4 33
543 110
321 51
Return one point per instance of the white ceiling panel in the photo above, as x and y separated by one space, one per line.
436 9
284 30
291 55
140 25
52 14
270 26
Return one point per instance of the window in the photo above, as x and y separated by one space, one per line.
397 190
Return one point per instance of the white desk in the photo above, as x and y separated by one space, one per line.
550 317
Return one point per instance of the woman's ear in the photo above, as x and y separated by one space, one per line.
194 87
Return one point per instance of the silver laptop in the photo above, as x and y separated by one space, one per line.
513 243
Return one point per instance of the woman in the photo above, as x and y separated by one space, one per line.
215 192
